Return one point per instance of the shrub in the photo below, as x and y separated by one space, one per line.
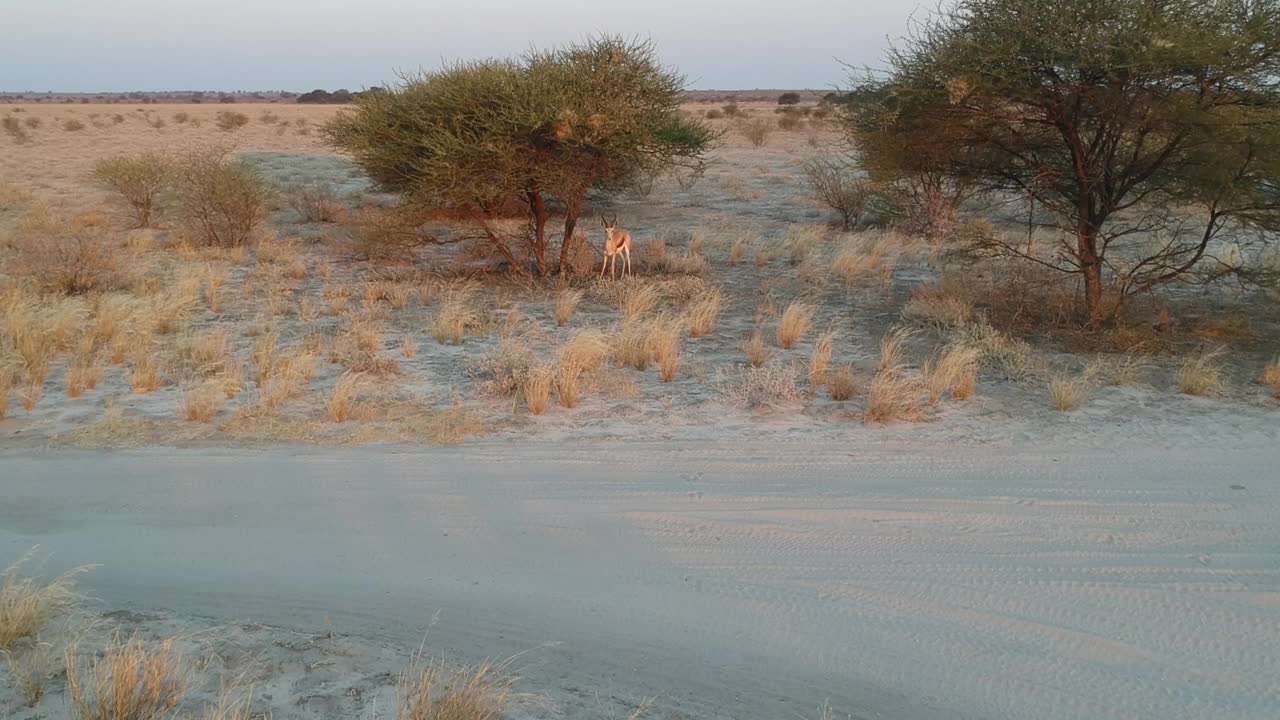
14 128
837 185
221 201
73 125
388 235
756 130
181 117
316 203
70 257
137 180
790 122
714 114
759 387
731 110
789 98
229 120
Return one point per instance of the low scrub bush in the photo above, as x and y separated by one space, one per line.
316 203
221 201
70 257
756 130
759 387
137 181
838 185
229 120
1202 374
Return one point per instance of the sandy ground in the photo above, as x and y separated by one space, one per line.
725 579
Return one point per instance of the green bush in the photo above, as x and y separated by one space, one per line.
221 201
136 180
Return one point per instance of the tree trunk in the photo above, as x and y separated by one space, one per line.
572 209
538 209
1091 268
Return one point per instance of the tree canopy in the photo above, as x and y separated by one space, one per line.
551 126
1148 129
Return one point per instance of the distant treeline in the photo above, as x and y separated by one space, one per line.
337 97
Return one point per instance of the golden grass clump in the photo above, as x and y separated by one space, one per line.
69 256
145 376
953 371
483 692
131 680
738 251
703 314
800 242
584 353
1066 392
537 389
1202 374
200 404
794 323
664 344
567 301
893 347
456 315
136 180
756 349
820 360
343 402
28 605
842 383
863 258
636 299
1270 377
893 395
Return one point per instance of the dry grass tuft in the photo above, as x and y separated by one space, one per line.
317 203
484 692
944 304
200 404
537 389
342 403
702 315
893 348
756 349
795 322
893 395
1068 391
567 301
842 383
738 251
664 344
864 258
28 605
800 242
636 299
1270 378
952 371
1202 374
456 315
145 376
820 360
131 680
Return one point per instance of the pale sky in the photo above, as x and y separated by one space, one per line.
299 45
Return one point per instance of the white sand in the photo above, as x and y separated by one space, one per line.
750 579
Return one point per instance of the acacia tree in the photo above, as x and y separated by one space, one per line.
1148 129
540 132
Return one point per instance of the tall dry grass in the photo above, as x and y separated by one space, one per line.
794 323
893 347
702 315
129 680
1202 373
756 349
842 383
893 395
820 360
1270 377
953 371
432 692
567 301
28 604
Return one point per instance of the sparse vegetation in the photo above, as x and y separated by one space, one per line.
229 120
1202 374
756 130
137 180
132 679
221 201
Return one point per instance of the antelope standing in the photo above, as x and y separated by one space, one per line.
616 242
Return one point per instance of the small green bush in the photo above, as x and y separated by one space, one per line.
136 180
221 201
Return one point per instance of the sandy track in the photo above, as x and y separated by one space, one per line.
730 582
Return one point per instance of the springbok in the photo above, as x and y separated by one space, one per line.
616 242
